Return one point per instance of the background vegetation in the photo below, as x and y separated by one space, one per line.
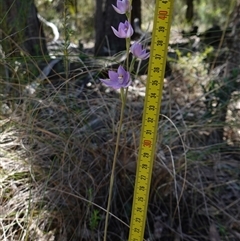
58 129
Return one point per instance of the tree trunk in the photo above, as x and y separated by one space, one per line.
136 11
21 31
105 41
189 11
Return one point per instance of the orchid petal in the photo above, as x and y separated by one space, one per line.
122 7
119 79
138 51
125 30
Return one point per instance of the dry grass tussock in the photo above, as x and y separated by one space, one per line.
56 151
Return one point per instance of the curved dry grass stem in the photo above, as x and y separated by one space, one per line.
178 198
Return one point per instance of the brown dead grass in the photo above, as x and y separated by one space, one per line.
56 156
56 151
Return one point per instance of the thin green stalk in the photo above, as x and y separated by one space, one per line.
127 51
123 98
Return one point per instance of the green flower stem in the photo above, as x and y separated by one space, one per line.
128 40
123 98
132 64
129 14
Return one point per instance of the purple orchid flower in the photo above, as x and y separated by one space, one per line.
123 6
137 50
119 79
125 30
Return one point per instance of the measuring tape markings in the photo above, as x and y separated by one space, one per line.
156 69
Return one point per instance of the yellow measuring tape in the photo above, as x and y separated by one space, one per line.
156 70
